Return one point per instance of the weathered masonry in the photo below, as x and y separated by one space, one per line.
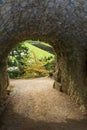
63 24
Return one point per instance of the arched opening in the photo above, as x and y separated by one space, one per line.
31 59
33 103
63 24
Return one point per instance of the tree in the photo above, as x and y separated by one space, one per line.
17 59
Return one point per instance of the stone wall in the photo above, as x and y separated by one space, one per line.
63 24
71 74
4 83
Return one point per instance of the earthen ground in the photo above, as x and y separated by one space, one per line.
35 105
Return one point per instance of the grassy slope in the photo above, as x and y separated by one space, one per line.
38 41
46 44
38 52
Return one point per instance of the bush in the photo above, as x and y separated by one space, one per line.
27 64
14 74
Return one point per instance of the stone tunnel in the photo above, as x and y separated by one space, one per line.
61 23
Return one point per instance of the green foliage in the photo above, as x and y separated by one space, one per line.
34 67
17 59
18 55
26 64
14 74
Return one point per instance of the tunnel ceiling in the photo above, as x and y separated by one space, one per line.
53 21
63 24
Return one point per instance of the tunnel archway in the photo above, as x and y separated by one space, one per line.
63 24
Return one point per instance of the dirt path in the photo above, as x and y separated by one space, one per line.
35 105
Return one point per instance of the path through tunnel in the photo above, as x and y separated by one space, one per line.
63 24
35 105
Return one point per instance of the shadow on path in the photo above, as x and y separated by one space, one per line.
15 121
35 105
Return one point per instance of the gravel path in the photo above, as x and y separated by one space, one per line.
35 105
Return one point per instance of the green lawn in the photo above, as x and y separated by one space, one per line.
37 51
46 44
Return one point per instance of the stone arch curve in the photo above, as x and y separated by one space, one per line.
62 23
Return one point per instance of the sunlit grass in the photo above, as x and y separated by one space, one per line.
38 52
